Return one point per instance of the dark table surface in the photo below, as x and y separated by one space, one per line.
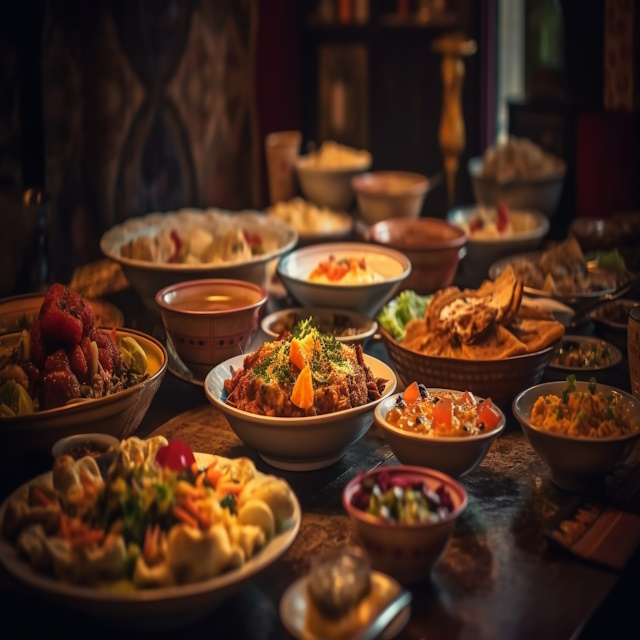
498 577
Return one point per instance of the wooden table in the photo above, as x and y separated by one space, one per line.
498 577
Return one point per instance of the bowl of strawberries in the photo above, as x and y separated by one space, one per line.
64 375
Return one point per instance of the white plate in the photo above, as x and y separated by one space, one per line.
159 608
293 608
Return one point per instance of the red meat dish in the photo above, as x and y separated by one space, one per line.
58 384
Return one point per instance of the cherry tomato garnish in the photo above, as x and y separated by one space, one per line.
176 455
488 413
443 412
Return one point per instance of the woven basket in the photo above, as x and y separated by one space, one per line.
501 380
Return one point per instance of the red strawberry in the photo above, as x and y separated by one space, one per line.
57 388
57 361
78 362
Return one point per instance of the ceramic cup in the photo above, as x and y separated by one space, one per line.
282 149
633 350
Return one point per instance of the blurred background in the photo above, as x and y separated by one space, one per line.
111 110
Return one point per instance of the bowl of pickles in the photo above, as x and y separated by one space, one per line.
404 516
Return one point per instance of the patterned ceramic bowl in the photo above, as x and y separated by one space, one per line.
407 552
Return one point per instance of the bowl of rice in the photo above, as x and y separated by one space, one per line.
581 430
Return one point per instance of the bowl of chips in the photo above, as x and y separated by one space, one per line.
488 340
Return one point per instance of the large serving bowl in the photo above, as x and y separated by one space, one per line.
529 229
389 194
576 463
330 186
455 456
535 193
433 246
297 444
210 320
500 380
26 436
348 326
406 551
20 312
147 278
294 269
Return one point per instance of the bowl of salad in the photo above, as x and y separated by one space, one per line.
404 517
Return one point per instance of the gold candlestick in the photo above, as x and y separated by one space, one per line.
452 137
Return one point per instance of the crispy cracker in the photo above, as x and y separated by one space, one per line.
537 334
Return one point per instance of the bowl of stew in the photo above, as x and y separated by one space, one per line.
611 320
443 429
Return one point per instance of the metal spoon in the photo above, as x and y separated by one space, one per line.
386 617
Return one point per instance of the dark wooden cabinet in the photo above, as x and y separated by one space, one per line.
377 85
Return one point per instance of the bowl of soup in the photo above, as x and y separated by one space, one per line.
211 320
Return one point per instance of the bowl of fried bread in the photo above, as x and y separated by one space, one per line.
489 340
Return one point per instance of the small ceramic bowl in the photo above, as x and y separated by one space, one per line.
583 356
389 194
330 186
433 246
455 456
210 320
84 444
348 326
611 320
576 463
365 297
408 552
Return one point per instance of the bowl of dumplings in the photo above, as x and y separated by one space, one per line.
162 249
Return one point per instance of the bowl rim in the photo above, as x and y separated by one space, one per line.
365 184
489 435
404 469
79 407
243 284
303 165
298 422
62 445
615 360
446 359
474 167
540 231
362 319
457 241
345 247
628 303
540 390
110 248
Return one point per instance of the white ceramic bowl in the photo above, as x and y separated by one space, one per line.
389 194
455 456
297 444
92 443
326 186
147 278
407 552
210 320
22 437
529 230
530 194
576 463
294 269
360 327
